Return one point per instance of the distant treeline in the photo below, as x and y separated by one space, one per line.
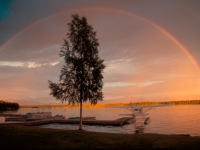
8 106
184 102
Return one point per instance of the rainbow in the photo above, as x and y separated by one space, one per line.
184 49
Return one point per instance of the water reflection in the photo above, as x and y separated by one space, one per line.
139 129
127 129
2 119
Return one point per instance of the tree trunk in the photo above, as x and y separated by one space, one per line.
80 121
81 91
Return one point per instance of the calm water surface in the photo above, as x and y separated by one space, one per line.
183 119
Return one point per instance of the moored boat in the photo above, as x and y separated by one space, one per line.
38 114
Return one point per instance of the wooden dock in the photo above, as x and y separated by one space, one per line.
118 122
12 115
26 119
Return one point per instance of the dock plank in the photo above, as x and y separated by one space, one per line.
12 115
117 122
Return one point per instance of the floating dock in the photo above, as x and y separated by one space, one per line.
12 115
118 122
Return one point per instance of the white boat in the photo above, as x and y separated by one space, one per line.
38 114
33 116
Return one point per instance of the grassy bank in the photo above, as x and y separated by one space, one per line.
13 137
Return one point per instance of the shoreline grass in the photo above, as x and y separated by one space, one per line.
13 137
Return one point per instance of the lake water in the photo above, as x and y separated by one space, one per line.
179 119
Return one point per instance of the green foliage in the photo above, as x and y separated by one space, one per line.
81 76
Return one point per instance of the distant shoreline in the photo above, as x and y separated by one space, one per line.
185 102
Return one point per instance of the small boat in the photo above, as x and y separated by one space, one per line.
38 114
73 118
33 116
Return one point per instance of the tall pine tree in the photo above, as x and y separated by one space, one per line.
81 75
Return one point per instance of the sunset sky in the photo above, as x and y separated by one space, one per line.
151 48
